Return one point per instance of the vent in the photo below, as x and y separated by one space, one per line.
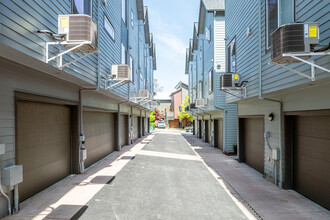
199 103
294 38
229 81
143 93
121 72
78 29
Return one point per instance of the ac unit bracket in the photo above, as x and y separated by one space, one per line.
308 62
239 92
60 55
116 85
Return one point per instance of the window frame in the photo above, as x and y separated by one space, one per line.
124 11
83 1
123 52
211 80
279 19
132 19
208 31
230 56
106 20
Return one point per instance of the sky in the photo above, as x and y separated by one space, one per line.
171 22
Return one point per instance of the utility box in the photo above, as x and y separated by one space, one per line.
13 175
276 154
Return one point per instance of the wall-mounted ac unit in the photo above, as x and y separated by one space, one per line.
121 72
199 103
78 28
143 93
294 38
229 81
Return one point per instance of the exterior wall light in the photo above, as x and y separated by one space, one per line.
271 117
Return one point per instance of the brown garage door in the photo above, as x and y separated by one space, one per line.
254 143
43 145
311 158
135 128
218 134
123 130
100 135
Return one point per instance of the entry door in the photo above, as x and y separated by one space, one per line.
99 130
143 128
207 131
124 130
43 145
135 128
218 134
253 142
311 158
200 128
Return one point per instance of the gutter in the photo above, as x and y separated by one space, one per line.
271 100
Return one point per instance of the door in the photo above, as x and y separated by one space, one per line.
124 130
311 158
252 142
43 145
218 134
135 128
143 126
99 128
199 128
207 131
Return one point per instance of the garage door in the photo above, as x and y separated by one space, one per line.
254 143
123 130
43 145
135 128
311 158
218 135
100 135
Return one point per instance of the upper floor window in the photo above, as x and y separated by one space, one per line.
278 12
208 33
132 18
211 80
231 56
109 28
82 7
123 10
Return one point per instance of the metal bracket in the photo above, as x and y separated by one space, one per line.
116 85
240 92
311 63
60 55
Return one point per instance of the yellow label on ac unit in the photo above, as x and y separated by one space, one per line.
312 31
64 22
236 76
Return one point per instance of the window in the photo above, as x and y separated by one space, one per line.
278 12
81 7
231 56
208 33
200 89
211 72
132 18
123 10
131 65
109 28
123 54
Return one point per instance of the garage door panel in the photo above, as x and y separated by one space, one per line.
311 158
254 143
100 135
43 145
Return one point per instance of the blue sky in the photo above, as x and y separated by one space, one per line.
171 22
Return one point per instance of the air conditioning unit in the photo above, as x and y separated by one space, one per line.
229 81
143 93
78 29
199 103
294 38
154 103
121 72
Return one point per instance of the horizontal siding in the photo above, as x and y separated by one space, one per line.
230 127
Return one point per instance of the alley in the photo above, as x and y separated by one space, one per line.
165 180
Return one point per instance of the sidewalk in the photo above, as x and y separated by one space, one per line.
260 196
69 196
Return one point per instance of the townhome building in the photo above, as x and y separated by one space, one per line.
280 51
66 99
177 97
215 121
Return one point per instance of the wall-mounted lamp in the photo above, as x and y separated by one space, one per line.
271 117
248 31
105 2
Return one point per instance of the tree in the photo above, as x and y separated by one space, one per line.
184 116
157 87
152 118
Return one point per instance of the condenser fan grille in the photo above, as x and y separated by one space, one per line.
80 27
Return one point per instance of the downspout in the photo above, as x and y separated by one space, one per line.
98 42
271 100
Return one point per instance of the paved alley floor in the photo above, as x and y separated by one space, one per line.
165 180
